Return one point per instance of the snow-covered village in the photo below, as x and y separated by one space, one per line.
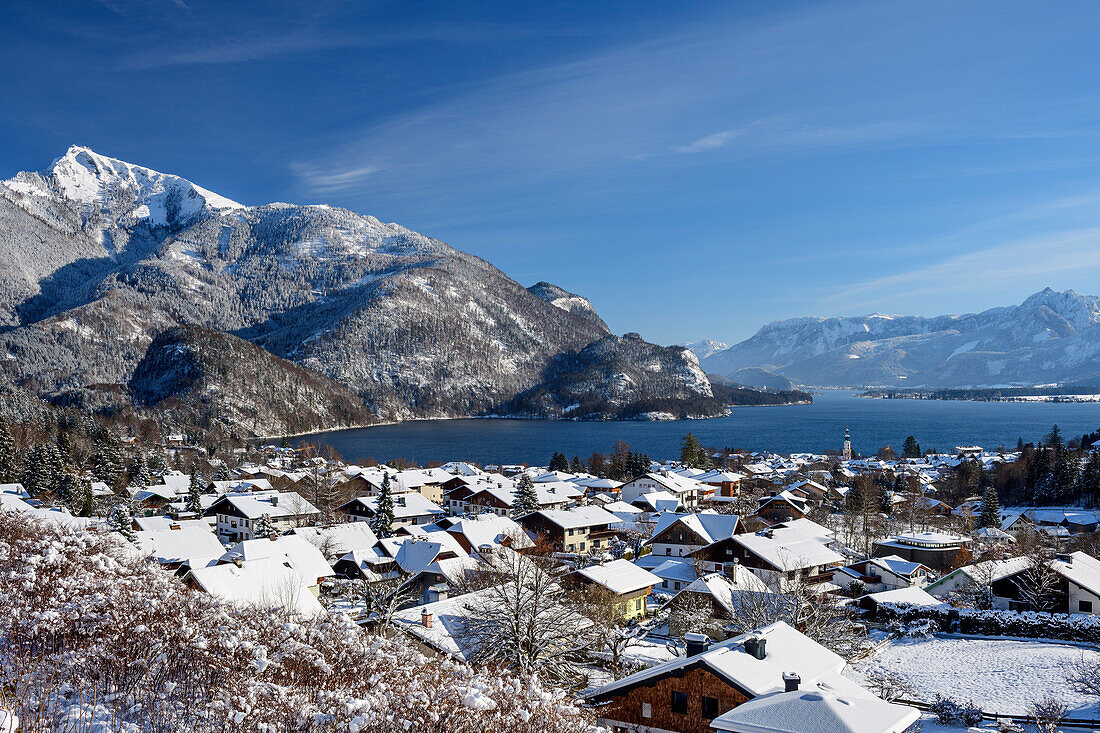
279 588
481 366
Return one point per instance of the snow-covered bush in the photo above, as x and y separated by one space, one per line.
950 712
90 632
1020 624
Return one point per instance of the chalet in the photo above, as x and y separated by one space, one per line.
578 530
1078 586
338 540
239 515
628 584
690 694
782 507
685 489
883 573
935 550
676 573
775 555
677 535
489 530
409 509
725 485
978 574
725 593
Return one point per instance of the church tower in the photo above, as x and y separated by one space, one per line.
847 452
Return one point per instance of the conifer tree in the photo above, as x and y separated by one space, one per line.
575 466
157 465
991 509
120 521
9 461
382 523
527 499
1088 484
223 473
559 462
911 449
265 527
84 500
691 451
107 464
194 494
637 464
140 473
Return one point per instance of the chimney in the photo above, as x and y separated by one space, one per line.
238 562
791 681
274 500
755 646
426 619
173 526
696 643
437 593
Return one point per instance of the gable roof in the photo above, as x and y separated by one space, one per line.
178 545
619 576
263 582
787 549
577 517
305 559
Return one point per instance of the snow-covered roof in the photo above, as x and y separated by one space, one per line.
619 576
673 568
577 517
339 538
728 591
787 549
177 545
491 529
786 650
254 505
817 710
265 582
303 558
911 595
710 526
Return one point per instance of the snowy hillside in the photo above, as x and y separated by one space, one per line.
98 257
1050 337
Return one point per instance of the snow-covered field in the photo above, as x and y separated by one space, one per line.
999 676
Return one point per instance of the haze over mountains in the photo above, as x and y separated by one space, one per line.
1052 337
121 285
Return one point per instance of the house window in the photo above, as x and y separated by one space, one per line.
638 604
570 548
582 547
647 710
570 533
1084 606
668 550
679 702
710 707
677 585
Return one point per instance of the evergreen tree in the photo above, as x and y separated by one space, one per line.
691 453
120 521
107 464
1054 437
223 473
157 465
264 527
559 462
194 494
42 469
139 473
991 509
911 449
1019 444
1088 484
637 464
382 523
9 461
527 499
84 501
575 466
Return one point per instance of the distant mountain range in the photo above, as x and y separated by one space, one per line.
124 287
1052 337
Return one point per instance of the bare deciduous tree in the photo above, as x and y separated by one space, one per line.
1039 584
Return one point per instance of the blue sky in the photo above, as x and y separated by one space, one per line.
696 169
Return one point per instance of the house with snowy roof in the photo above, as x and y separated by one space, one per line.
628 584
935 550
578 530
677 535
883 573
726 593
293 552
690 694
194 544
798 711
687 490
239 515
776 554
409 509
489 530
1077 591
264 582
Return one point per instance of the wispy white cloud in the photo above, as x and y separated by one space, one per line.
332 180
781 134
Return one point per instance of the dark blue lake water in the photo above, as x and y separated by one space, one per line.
798 428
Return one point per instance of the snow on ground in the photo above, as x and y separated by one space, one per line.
999 675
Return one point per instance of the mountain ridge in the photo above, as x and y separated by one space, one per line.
100 258
1052 336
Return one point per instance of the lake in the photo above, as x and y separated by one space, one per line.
793 429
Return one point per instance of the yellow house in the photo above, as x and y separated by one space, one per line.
629 584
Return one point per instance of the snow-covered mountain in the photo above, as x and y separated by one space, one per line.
706 347
1051 337
99 258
